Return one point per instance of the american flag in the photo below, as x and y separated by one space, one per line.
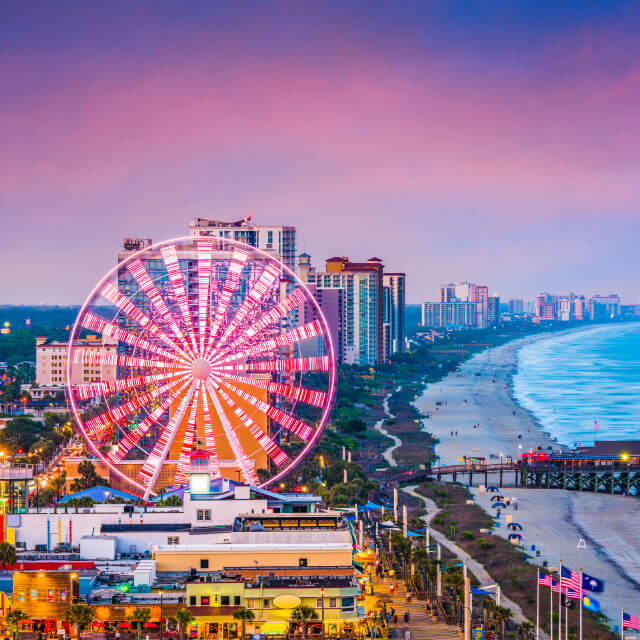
548 581
544 581
571 579
630 622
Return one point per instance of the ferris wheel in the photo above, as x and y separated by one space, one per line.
205 344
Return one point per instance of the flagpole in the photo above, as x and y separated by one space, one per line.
580 623
621 623
560 606
551 609
538 606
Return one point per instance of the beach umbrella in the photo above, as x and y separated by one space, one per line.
498 504
124 625
515 536
493 489
514 525
498 497
150 625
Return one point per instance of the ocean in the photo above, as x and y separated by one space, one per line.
570 380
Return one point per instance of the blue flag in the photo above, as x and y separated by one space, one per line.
590 603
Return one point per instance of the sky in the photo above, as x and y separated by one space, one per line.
496 142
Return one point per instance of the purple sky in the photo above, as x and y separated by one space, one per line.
497 142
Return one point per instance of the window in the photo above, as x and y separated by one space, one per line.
173 540
34 594
224 601
266 604
50 596
319 603
236 601
347 604
302 562
299 508
204 563
333 603
63 595
203 514
21 596
204 601
192 601
252 603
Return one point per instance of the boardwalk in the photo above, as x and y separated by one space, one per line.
421 626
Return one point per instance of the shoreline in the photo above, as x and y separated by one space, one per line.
481 393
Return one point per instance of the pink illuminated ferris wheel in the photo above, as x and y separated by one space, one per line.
202 344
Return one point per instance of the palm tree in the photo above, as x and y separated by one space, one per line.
7 554
184 618
140 616
528 630
502 614
80 616
13 618
302 614
244 615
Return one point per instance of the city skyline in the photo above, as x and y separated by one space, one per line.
497 143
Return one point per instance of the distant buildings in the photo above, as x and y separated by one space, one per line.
51 362
516 306
367 316
461 304
493 310
570 307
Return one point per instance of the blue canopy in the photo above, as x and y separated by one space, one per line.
498 504
373 505
480 592
514 526
99 494
414 534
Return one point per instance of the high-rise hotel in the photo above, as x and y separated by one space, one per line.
363 305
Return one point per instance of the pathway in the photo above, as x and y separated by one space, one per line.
473 565
421 626
387 454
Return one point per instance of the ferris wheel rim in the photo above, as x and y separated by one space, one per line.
195 240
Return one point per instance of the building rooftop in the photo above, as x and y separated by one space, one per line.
238 546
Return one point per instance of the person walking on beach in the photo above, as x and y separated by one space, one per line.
407 634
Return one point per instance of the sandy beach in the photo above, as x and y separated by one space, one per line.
553 520
479 394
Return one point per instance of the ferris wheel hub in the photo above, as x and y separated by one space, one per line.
200 369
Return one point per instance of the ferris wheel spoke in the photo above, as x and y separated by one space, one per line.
142 277
187 441
293 336
260 288
170 257
131 311
98 358
107 387
94 322
209 438
308 396
295 426
278 456
204 289
312 363
275 314
97 424
133 437
247 470
238 260
151 468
